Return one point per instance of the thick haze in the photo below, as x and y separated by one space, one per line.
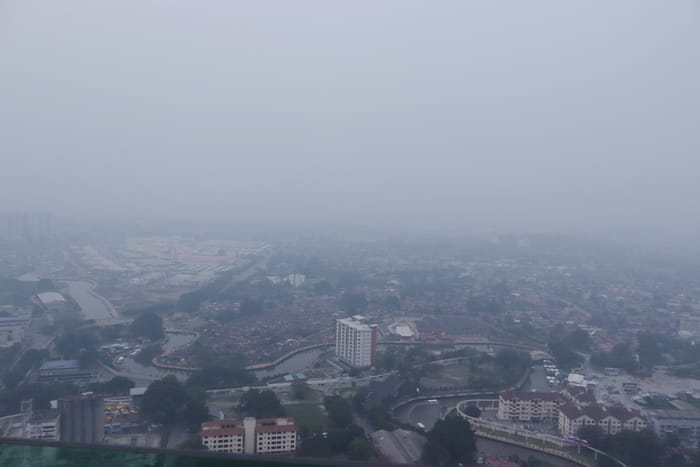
548 116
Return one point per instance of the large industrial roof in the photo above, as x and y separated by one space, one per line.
59 365
48 298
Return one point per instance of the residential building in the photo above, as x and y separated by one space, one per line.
44 425
685 424
529 406
251 436
54 371
611 420
356 342
82 419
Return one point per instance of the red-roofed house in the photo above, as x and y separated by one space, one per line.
610 419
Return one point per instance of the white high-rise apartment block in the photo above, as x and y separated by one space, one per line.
356 342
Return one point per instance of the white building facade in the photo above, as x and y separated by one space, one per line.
356 342
529 406
44 425
611 420
251 436
684 424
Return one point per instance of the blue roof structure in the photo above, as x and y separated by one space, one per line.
52 365
14 319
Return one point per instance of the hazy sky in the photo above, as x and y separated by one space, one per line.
541 115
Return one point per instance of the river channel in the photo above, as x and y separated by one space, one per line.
92 305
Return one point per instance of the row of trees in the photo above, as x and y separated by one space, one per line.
167 401
567 350
343 437
639 449
82 343
621 356
32 358
450 442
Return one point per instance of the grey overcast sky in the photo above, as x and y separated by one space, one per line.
541 115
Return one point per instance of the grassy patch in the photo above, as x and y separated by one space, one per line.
309 415
456 373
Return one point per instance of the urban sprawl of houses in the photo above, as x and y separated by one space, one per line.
343 317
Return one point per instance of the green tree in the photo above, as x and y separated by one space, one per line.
214 377
450 441
649 352
32 358
147 354
339 438
578 340
301 390
117 385
88 357
379 417
511 359
192 444
359 449
262 404
315 447
621 356
339 411
593 435
473 411
640 449
565 356
148 325
163 399
72 342
195 412
435 453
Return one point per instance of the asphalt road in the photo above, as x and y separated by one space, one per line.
426 413
399 446
538 380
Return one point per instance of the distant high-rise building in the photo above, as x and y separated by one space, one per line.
25 226
82 419
40 225
356 342
16 225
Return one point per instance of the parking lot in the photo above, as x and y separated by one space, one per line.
610 390
538 380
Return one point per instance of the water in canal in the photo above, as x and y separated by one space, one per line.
91 305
